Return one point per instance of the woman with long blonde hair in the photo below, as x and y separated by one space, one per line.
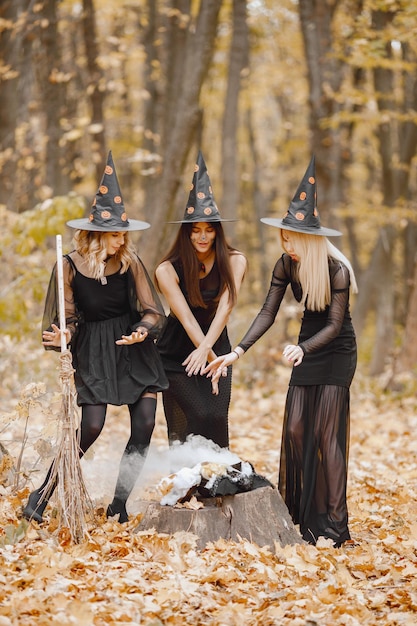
315 438
113 317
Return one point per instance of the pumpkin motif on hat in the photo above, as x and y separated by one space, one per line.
201 206
108 213
302 215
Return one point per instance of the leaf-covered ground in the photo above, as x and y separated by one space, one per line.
118 576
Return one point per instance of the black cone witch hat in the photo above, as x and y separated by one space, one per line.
302 215
201 205
108 212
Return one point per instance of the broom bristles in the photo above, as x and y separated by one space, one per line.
73 501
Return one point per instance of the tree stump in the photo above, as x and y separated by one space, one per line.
259 515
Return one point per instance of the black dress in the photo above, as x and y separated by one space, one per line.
189 405
315 438
100 312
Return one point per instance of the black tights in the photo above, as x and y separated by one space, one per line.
142 423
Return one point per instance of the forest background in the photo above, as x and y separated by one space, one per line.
258 86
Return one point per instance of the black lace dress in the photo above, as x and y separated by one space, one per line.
315 438
98 312
189 405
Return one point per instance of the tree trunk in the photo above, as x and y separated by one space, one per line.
407 357
325 76
94 89
11 45
238 60
384 318
395 139
29 119
259 516
52 90
408 148
372 279
388 147
259 203
179 129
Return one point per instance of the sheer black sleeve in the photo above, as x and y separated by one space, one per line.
266 316
340 282
144 300
51 309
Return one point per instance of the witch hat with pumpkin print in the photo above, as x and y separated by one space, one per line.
108 212
302 215
201 205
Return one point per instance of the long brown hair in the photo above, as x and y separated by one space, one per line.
182 251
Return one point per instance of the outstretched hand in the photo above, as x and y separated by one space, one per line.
294 354
53 337
218 366
196 364
137 336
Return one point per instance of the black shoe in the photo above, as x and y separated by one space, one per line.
309 537
34 508
338 532
118 507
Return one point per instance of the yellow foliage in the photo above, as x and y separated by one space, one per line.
26 251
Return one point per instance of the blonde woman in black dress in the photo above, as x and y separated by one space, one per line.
315 439
113 317
200 278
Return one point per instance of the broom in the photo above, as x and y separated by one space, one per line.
73 501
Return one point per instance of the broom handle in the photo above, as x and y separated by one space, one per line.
61 298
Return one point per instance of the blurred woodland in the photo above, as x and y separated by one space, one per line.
258 86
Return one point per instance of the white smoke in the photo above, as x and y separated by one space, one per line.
101 473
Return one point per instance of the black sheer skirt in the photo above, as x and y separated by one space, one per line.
191 408
314 460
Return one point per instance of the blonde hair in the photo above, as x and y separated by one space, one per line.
92 245
313 252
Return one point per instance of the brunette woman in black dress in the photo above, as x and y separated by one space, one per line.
315 439
113 316
200 278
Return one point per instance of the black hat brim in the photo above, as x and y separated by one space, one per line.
85 224
321 231
202 219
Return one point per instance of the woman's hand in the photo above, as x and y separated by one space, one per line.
53 337
218 367
195 365
294 354
196 360
137 336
